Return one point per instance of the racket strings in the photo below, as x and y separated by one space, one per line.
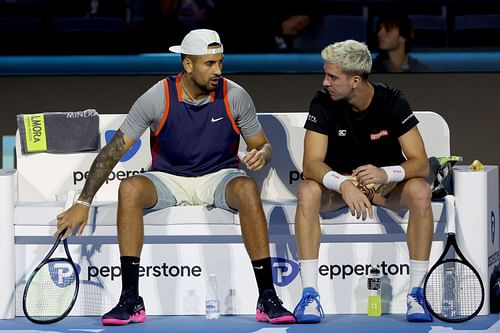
51 291
456 297
91 297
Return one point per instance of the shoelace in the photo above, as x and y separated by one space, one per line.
305 301
419 298
123 302
274 300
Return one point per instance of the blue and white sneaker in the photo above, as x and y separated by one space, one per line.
309 309
416 308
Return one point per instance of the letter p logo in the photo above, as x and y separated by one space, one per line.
284 271
61 273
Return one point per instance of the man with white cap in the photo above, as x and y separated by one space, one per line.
196 119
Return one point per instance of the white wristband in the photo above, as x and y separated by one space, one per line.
84 203
332 180
395 173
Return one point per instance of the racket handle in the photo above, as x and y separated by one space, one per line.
450 213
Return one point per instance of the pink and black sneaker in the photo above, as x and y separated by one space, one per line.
130 309
270 309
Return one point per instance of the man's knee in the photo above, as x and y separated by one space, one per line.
132 188
419 193
309 197
308 190
244 188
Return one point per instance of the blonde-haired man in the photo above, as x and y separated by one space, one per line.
361 148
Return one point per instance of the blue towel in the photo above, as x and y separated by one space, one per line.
59 132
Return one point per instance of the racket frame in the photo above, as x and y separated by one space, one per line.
44 262
451 241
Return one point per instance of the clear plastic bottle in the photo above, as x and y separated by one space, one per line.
212 309
449 304
230 302
374 292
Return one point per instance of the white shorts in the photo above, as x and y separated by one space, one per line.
208 190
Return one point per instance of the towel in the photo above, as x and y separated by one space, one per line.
441 175
59 132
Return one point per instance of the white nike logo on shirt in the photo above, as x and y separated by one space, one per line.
217 119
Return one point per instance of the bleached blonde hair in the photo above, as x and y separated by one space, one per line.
352 56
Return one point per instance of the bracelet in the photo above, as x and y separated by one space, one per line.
84 203
332 180
395 173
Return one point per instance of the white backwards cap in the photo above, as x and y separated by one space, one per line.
196 42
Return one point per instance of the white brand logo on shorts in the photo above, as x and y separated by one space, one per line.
342 132
216 119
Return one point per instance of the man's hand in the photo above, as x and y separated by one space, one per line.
75 216
255 160
370 174
357 201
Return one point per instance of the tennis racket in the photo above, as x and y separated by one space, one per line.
52 288
453 289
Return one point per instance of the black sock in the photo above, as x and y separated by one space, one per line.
130 274
263 274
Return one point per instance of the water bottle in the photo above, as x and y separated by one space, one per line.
212 310
449 304
374 293
230 302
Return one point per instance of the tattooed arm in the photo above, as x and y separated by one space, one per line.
104 164
99 172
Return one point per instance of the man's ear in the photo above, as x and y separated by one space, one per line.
402 40
356 79
187 63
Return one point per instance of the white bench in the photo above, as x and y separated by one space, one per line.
184 244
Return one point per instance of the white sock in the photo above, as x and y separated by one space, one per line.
418 270
309 273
